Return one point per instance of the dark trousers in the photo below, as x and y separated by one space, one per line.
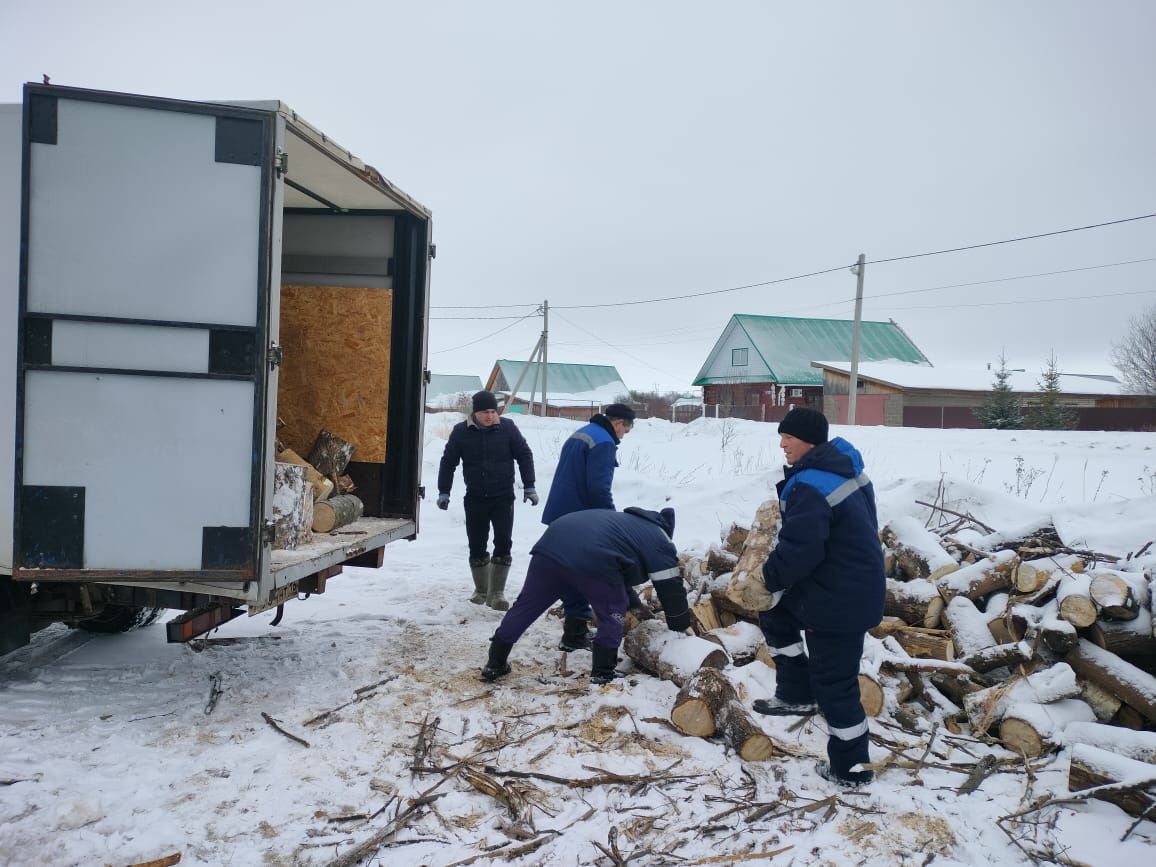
546 583
481 513
826 672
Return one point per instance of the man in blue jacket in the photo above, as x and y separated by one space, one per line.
827 572
487 446
582 480
600 555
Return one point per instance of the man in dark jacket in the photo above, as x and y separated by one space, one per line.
582 480
487 446
826 572
600 555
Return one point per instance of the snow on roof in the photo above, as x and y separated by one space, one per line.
452 384
905 375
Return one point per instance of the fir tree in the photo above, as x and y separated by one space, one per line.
1051 414
1001 408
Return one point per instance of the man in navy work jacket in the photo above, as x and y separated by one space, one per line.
600 555
827 572
487 446
582 481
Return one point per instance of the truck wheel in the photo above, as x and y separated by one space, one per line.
120 618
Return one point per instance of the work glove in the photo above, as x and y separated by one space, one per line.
530 496
443 501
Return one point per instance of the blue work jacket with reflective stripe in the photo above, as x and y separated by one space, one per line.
585 471
828 559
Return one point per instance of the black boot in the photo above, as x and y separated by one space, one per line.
496 665
575 634
605 658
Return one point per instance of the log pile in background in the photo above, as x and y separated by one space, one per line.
1046 643
1013 636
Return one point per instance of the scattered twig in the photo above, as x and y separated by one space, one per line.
948 511
734 859
983 769
291 737
215 691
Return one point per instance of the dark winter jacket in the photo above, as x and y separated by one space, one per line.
585 471
626 547
487 455
828 558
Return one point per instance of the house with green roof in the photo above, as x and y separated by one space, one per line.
761 365
576 390
450 391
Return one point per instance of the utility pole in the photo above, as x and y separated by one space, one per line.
545 358
857 269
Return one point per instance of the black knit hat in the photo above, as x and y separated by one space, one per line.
808 425
484 400
620 411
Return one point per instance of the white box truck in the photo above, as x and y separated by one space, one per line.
185 287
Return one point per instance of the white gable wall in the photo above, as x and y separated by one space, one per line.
720 367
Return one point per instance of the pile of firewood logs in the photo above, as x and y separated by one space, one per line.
304 498
1014 637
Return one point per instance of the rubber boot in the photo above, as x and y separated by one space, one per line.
605 658
497 665
575 634
480 568
500 569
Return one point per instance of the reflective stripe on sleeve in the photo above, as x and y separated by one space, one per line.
795 649
672 572
847 489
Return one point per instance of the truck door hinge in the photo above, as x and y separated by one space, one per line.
275 355
281 163
268 532
421 492
433 251
427 376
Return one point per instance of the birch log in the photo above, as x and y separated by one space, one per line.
1075 601
336 512
979 579
1033 729
1115 596
669 655
330 454
747 593
1128 683
701 702
1140 746
743 734
918 552
742 641
292 506
1091 767
989 706
968 626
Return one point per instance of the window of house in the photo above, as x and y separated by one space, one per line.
752 398
796 392
739 357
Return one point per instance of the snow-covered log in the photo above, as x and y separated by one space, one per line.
1131 638
918 552
671 656
701 701
989 706
1032 575
1032 729
719 561
1128 683
917 603
998 656
1034 624
968 626
1140 746
995 610
979 579
735 538
746 594
1074 599
1091 767
1105 705
741 641
1117 596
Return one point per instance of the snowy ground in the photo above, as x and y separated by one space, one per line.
108 757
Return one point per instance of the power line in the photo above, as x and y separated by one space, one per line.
1029 301
815 273
487 337
616 348
1012 240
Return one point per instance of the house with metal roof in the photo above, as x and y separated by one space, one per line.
576 390
761 365
913 395
448 391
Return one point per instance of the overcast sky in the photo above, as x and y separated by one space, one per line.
603 152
